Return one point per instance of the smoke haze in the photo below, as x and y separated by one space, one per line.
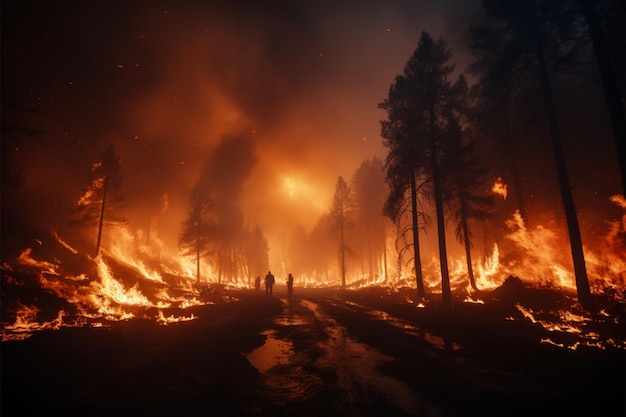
166 82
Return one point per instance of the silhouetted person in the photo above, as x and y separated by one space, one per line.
290 285
257 283
269 283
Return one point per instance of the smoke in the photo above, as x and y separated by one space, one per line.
166 82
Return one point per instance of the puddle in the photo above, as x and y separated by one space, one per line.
272 353
275 351
287 318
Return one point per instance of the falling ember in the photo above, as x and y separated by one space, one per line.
500 188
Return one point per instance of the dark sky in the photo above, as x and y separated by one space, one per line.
166 81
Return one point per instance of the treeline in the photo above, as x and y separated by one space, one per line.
437 128
445 138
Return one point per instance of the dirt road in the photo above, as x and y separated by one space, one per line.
317 353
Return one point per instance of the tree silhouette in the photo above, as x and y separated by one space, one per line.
419 102
614 100
215 225
369 188
320 248
102 201
341 219
541 31
404 163
465 175
199 229
256 252
500 110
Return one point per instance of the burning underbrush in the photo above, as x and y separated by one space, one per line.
48 284
51 285
515 309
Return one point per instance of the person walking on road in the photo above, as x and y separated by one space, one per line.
269 283
290 285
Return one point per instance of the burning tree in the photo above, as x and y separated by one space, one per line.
102 201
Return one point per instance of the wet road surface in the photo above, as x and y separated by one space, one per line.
318 353
333 354
308 354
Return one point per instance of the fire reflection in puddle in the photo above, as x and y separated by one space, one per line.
272 353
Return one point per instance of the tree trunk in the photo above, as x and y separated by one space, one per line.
198 263
385 257
578 256
446 295
198 237
614 102
101 220
417 260
370 262
343 265
468 253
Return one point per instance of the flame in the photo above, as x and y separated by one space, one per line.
569 323
500 188
489 269
540 256
161 319
128 249
114 290
26 323
127 280
88 198
25 258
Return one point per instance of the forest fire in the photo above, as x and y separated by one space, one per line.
134 277
434 193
